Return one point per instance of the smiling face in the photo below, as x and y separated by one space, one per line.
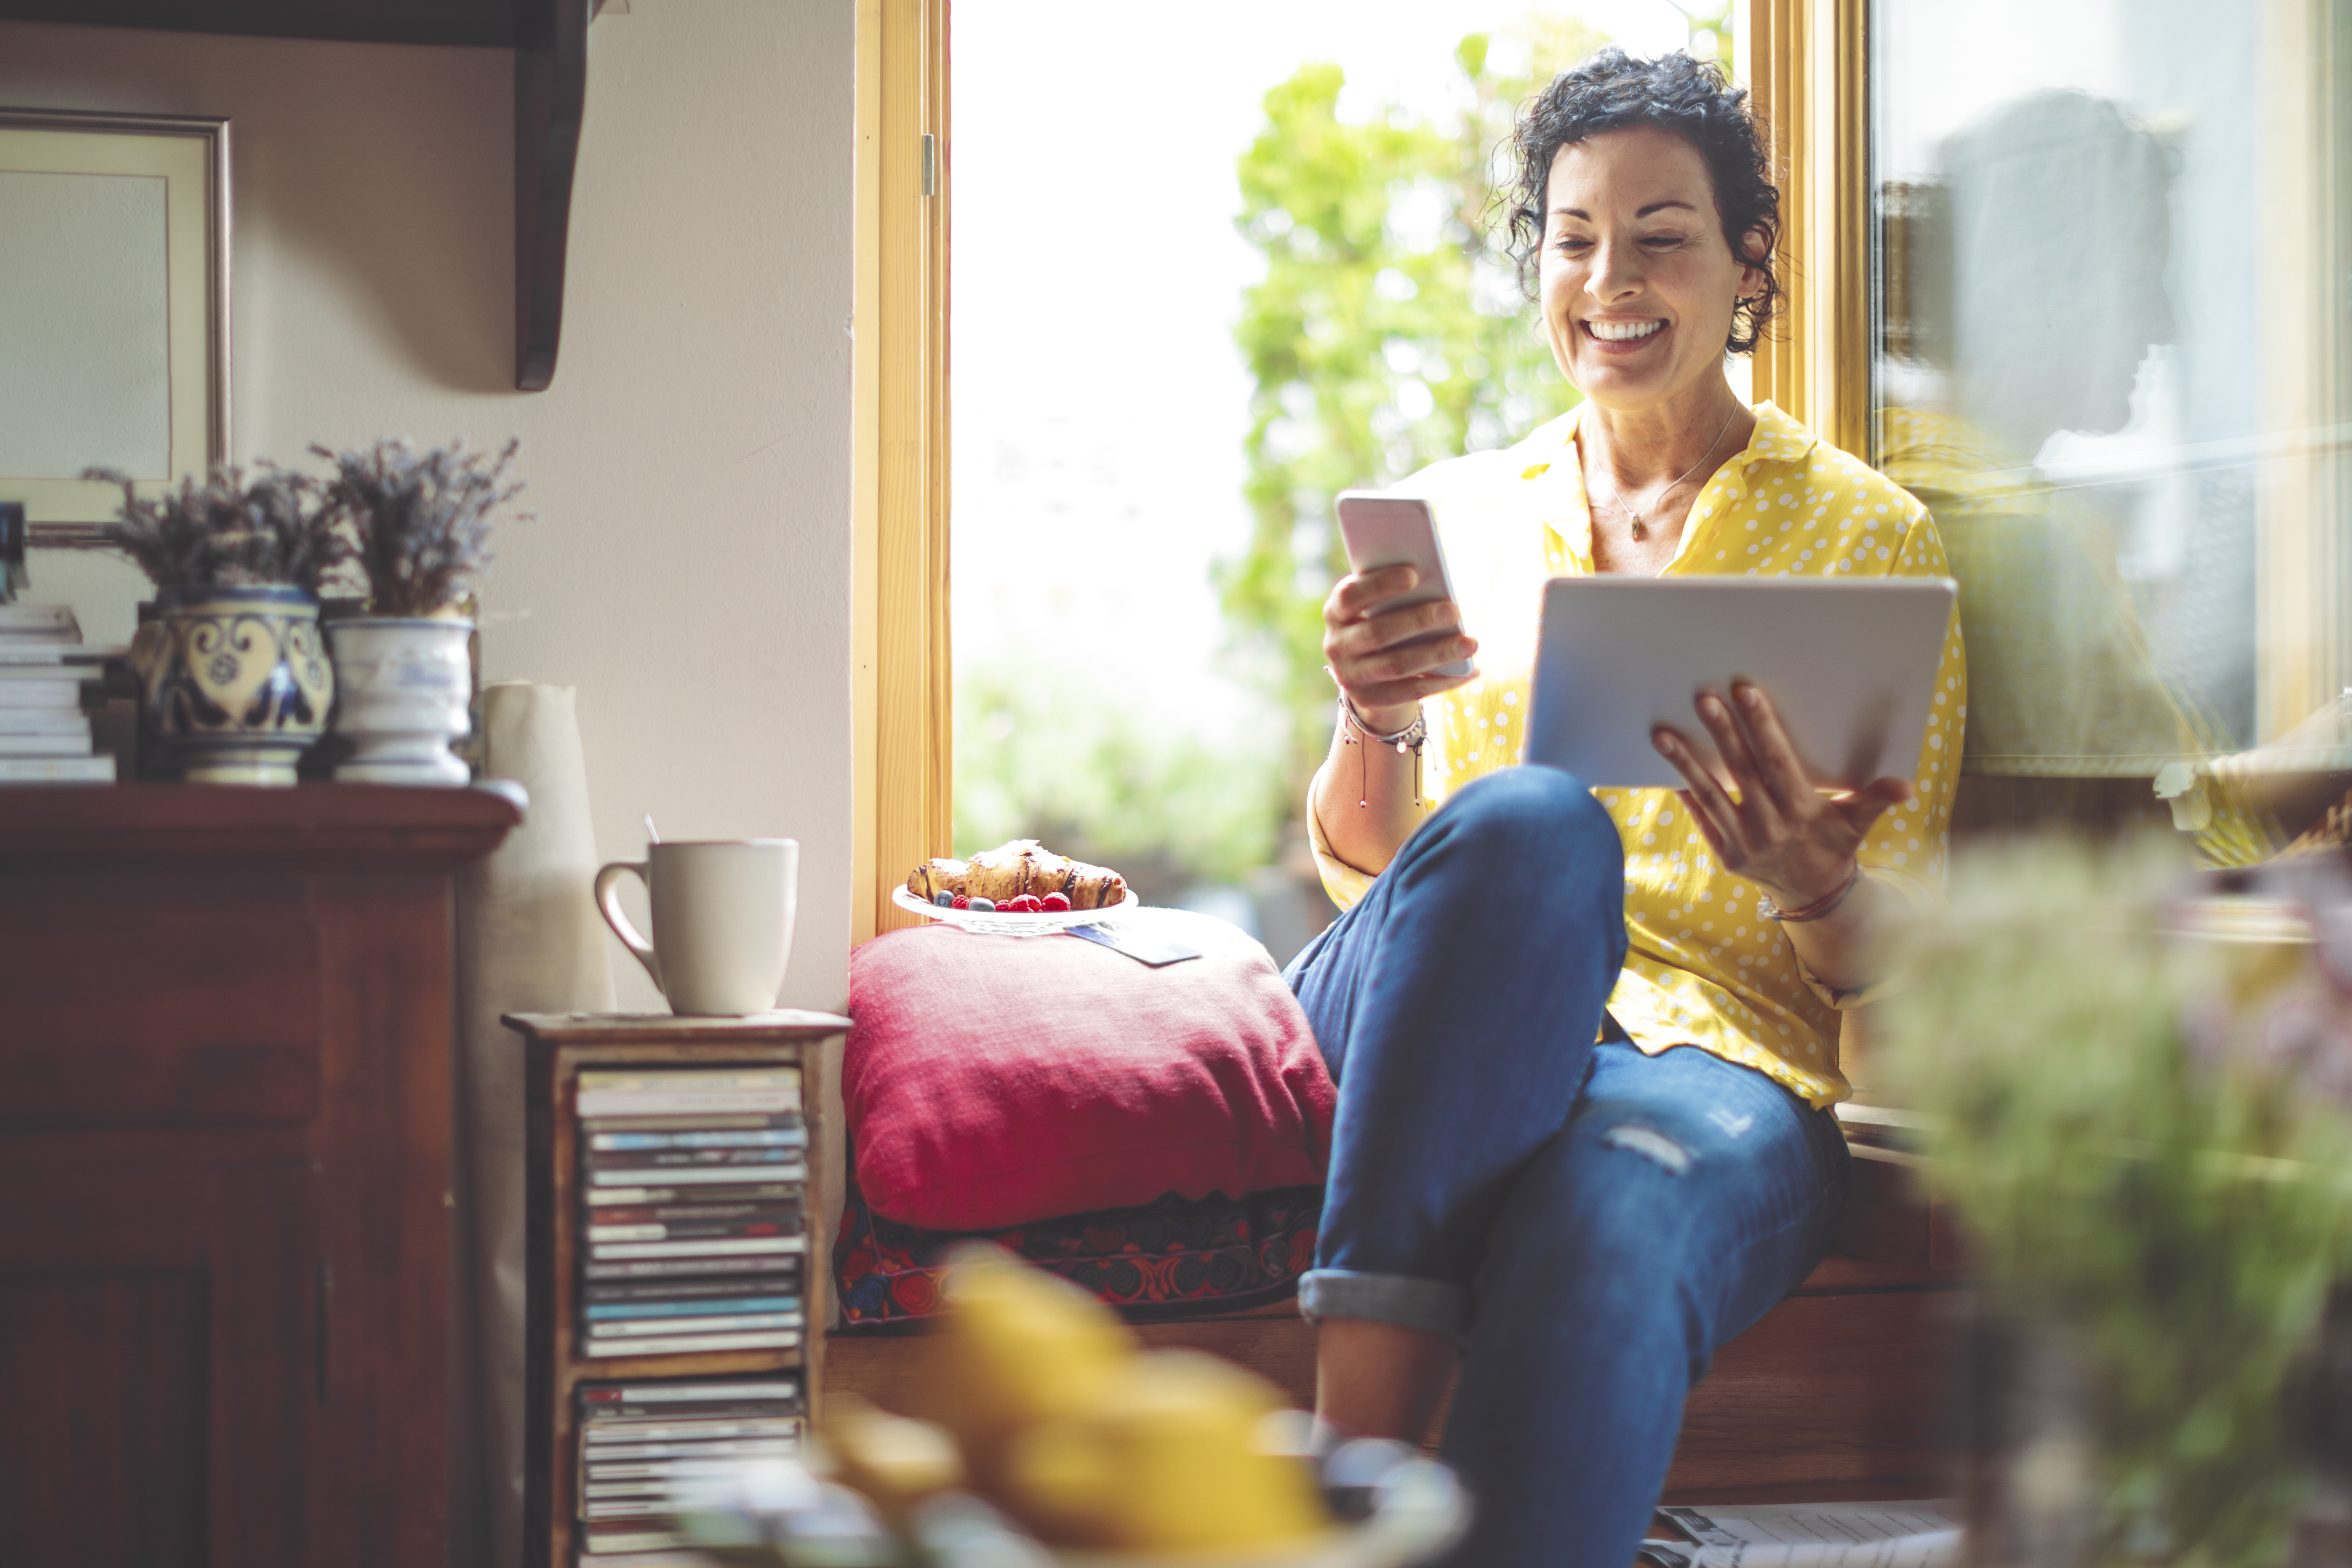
1637 283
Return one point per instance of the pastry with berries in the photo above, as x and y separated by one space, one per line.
1023 872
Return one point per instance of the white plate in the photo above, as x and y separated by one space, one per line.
1423 1509
995 922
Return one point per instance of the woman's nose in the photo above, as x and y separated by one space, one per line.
1616 271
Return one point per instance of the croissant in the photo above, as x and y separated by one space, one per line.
1021 867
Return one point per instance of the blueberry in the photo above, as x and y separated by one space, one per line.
983 906
944 901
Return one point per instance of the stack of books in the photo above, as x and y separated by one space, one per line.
693 1184
641 1443
44 733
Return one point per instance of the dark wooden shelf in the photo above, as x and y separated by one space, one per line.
556 1047
142 824
785 1026
550 40
488 23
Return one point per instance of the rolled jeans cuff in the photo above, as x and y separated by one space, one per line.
1400 1298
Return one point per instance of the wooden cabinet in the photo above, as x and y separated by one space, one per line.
226 1029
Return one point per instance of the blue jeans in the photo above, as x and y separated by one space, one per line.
1590 1222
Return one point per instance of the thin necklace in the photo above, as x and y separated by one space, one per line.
1641 524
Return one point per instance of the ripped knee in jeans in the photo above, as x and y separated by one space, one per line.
1649 1144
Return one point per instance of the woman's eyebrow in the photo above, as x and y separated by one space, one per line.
1643 212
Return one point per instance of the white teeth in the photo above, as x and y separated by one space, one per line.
1624 331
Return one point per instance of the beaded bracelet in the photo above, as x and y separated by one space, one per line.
1820 907
1409 739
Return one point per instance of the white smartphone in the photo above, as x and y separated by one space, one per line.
1382 529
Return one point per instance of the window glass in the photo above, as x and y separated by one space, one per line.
1204 276
2113 278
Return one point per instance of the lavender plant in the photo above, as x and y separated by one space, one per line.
421 520
2150 1140
221 531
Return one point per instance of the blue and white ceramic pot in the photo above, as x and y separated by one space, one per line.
404 690
233 682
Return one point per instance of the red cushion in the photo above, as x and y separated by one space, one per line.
993 1080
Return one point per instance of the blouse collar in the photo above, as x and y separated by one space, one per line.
1549 452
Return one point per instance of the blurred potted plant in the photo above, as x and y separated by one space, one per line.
2136 1103
421 522
234 684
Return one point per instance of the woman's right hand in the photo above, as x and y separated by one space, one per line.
1381 679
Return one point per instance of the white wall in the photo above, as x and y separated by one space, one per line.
689 568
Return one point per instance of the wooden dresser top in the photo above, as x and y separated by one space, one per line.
318 826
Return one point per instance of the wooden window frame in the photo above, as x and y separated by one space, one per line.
2304 498
902 671
1807 65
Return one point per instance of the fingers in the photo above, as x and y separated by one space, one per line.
1774 753
1394 627
1863 808
1709 801
1724 846
1372 697
1353 595
1378 650
1762 817
1352 667
1759 810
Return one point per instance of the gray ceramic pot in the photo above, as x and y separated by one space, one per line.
403 691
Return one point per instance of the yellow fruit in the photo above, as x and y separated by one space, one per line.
1165 1461
895 1462
1018 1346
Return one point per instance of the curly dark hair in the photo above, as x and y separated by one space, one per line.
1611 91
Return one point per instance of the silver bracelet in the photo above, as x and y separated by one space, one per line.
1408 739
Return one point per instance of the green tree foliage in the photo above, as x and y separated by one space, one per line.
1389 332
1043 751
1710 31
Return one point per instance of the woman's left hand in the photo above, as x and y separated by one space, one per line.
1766 820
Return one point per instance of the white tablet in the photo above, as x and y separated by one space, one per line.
1850 665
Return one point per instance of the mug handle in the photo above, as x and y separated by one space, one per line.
608 899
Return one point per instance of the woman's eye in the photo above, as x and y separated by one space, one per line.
1573 245
1663 241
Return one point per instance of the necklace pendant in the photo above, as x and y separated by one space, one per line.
1641 529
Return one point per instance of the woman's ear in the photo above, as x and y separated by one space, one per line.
1756 246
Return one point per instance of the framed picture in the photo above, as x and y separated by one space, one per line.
114 307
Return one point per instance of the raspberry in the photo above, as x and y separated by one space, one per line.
961 902
1026 904
1056 903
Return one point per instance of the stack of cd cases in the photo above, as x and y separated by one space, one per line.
693 1184
643 1442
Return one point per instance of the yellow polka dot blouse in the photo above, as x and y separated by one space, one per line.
1702 968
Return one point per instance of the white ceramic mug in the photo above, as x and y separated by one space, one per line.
723 921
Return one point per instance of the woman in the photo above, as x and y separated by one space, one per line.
1585 1041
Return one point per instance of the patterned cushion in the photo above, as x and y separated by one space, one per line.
1175 1258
